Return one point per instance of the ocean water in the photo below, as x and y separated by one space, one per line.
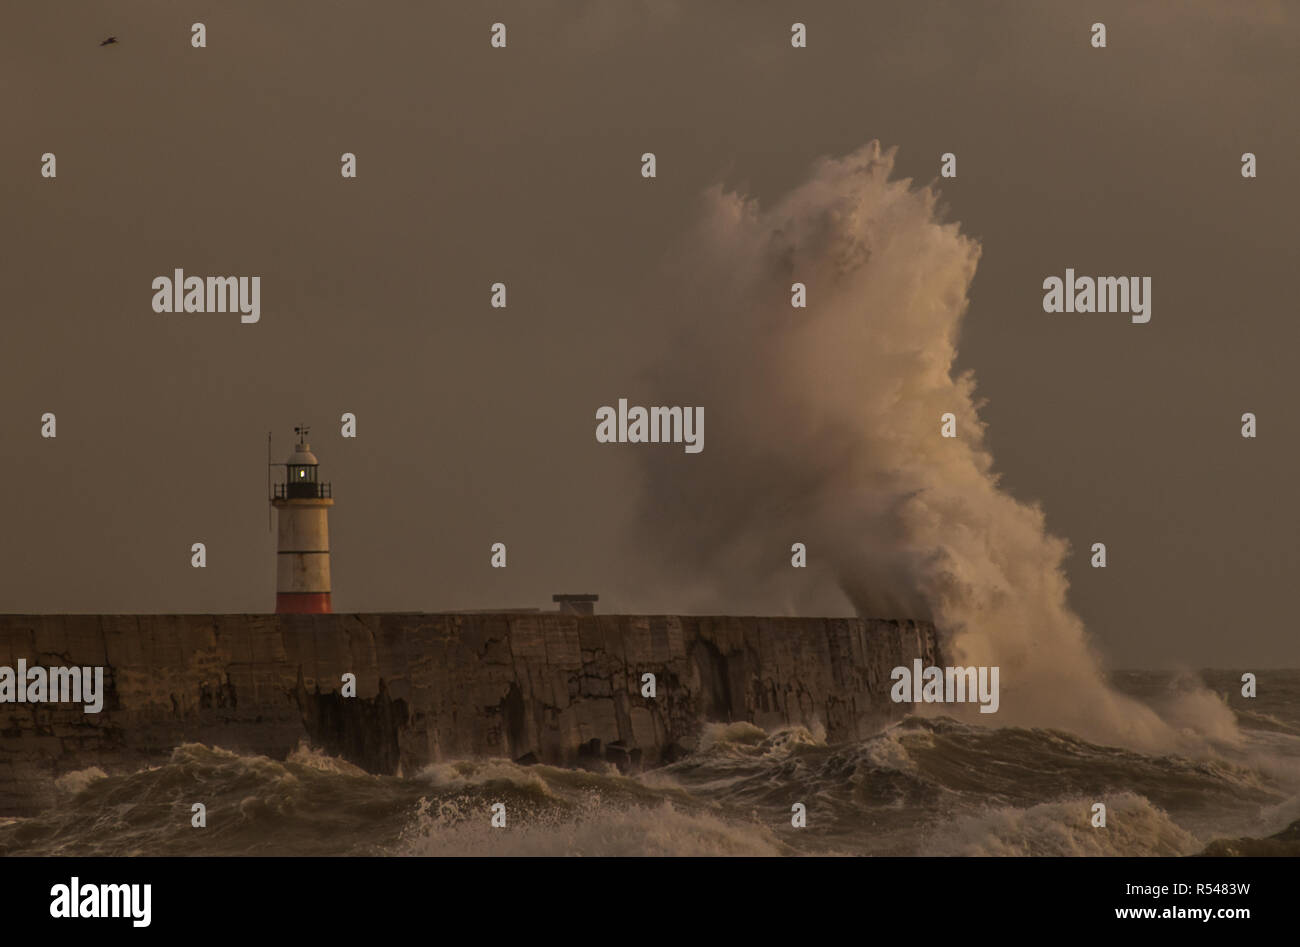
923 786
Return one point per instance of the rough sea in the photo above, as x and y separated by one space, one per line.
923 786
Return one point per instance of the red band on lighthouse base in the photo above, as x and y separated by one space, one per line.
309 603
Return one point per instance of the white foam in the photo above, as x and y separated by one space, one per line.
593 831
78 780
1133 827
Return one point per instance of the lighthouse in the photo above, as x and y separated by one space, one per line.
302 503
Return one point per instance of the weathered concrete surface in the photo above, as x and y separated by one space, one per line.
546 687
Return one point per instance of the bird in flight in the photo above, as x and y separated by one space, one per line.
111 39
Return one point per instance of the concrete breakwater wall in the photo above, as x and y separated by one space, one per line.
545 687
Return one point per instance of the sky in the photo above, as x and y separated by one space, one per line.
523 165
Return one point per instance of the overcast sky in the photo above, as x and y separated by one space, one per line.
523 165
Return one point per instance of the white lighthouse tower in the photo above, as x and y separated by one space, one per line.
303 554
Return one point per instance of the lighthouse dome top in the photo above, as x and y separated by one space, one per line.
303 456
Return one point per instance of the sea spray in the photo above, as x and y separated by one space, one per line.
826 427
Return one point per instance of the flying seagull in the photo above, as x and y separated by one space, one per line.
111 39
